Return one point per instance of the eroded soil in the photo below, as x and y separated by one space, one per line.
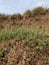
17 53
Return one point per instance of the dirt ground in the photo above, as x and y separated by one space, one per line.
17 53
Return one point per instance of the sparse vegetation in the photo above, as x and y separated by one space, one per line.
29 36
24 39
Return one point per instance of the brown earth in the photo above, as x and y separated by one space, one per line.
17 53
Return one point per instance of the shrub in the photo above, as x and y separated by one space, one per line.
15 17
19 16
27 14
39 11
48 10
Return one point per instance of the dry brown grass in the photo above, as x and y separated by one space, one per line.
39 11
16 17
35 18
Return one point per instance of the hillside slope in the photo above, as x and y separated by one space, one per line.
24 39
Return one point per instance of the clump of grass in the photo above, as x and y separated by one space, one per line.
39 42
1 54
